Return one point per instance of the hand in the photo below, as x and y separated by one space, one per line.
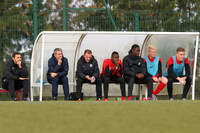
54 74
140 75
93 79
59 61
20 78
19 63
155 79
116 62
87 77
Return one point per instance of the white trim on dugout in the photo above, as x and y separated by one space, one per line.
195 67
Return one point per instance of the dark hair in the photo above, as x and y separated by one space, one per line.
114 52
134 46
57 49
88 51
16 53
180 49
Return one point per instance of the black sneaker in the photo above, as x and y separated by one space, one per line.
66 98
14 99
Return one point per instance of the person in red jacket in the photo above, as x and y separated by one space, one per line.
175 72
154 69
112 72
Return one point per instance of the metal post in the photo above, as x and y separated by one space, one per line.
195 67
64 16
35 20
136 21
110 15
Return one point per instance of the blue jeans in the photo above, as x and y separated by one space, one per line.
58 81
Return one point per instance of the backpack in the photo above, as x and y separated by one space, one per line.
74 96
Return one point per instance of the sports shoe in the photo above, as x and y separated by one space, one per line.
123 98
184 99
105 99
79 100
130 98
99 99
154 97
15 99
26 99
54 98
171 99
147 99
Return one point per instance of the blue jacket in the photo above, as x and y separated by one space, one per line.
53 66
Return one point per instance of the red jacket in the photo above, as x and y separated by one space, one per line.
109 70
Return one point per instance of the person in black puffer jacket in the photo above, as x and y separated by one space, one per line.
135 71
88 72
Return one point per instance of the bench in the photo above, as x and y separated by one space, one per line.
17 92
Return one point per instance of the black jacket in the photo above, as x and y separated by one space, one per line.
83 68
12 71
134 65
53 66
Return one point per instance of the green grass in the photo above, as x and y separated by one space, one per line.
100 117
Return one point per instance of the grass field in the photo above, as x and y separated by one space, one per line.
100 117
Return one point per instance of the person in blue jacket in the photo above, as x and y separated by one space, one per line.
57 73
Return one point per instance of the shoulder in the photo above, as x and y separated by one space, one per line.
187 61
125 58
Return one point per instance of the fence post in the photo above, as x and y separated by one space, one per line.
64 16
35 20
110 15
137 21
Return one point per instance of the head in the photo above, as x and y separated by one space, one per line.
152 51
87 55
180 53
58 53
16 57
135 50
114 57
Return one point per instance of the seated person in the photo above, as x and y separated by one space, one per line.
174 72
15 77
135 71
88 72
112 73
57 73
154 69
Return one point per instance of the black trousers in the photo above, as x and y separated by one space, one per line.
146 80
185 90
80 82
106 80
13 85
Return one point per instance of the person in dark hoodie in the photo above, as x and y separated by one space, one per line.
57 73
135 71
15 76
88 72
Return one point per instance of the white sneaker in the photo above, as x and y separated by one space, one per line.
154 97
171 99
